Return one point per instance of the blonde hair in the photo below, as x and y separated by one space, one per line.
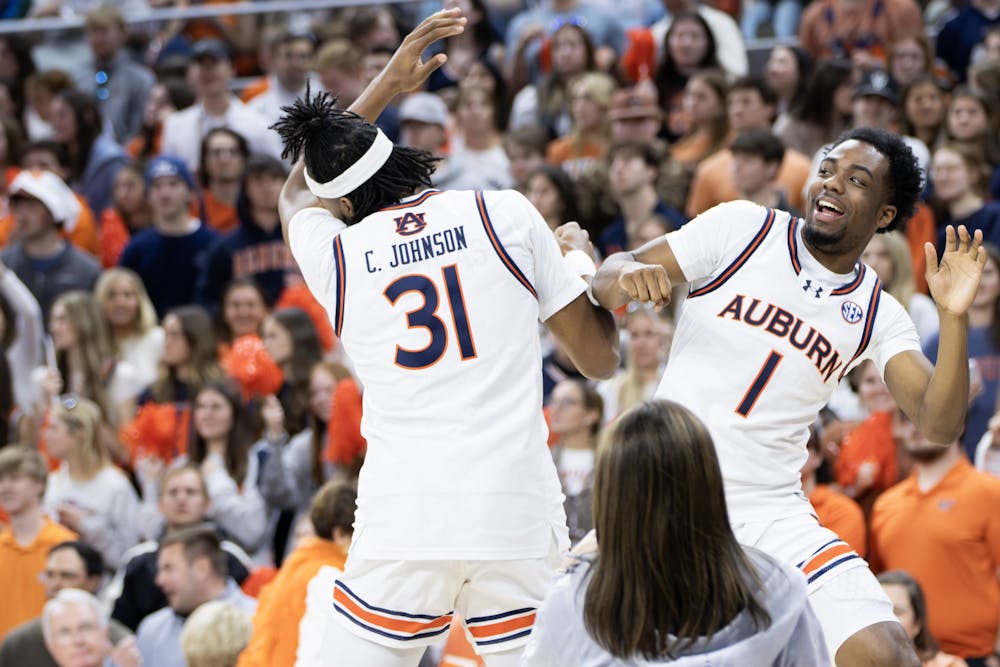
215 635
901 286
146 317
632 387
600 87
83 419
94 342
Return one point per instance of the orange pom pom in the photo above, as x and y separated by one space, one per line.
158 429
344 442
249 364
299 296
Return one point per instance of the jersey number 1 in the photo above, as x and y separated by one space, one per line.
758 384
426 317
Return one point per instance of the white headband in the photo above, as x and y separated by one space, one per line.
357 174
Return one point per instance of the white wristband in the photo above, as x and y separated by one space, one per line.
580 263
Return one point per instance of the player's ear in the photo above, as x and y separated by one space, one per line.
886 215
347 207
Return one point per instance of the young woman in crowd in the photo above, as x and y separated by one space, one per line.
649 595
130 318
171 94
787 71
221 447
588 140
823 111
925 106
704 106
689 47
94 158
972 122
960 177
889 255
478 160
910 608
189 357
291 341
576 413
128 214
646 353
547 103
224 155
553 193
86 362
87 493
243 310
910 56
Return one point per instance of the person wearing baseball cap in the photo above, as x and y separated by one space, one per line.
877 104
42 205
423 118
170 255
635 114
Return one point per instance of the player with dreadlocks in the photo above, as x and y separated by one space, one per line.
436 298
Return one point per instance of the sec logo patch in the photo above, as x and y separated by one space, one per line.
852 312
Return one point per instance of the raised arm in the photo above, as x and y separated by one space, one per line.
645 275
936 397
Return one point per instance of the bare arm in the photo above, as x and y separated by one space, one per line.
647 274
588 335
936 397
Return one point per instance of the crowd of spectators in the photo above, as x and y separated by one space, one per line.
182 430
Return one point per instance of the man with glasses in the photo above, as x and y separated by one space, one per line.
70 565
28 536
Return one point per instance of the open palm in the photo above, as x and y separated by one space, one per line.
954 281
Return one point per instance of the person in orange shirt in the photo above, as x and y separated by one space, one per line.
750 105
287 623
858 29
942 525
587 142
224 155
25 542
833 509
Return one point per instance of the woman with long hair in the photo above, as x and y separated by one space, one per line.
707 125
823 111
910 56
688 47
576 412
553 193
910 606
172 93
86 361
189 359
128 214
547 102
984 349
925 107
130 318
889 255
220 445
590 136
242 311
961 177
87 493
650 595
290 339
94 158
293 468
787 72
646 352
974 122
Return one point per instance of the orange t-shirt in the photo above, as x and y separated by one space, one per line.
919 230
948 538
841 515
565 152
255 88
870 442
713 181
282 604
114 237
20 570
220 216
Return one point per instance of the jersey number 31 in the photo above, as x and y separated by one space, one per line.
426 317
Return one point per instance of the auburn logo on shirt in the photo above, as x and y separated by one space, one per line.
410 224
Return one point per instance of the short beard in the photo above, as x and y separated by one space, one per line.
928 454
820 240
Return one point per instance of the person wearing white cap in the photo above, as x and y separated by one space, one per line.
42 204
423 118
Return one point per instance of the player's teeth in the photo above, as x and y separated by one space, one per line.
826 204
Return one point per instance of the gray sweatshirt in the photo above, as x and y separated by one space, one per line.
794 637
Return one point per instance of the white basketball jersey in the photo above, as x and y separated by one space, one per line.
763 338
436 301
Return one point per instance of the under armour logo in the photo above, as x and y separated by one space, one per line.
808 286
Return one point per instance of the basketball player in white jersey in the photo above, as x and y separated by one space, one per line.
778 310
436 297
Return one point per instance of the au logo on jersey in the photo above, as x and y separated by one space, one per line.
410 224
852 312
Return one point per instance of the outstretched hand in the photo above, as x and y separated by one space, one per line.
954 281
406 70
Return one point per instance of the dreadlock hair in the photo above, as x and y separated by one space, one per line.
330 140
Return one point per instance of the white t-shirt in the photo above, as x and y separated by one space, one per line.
575 468
764 337
436 300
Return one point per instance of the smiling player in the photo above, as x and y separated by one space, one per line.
782 309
